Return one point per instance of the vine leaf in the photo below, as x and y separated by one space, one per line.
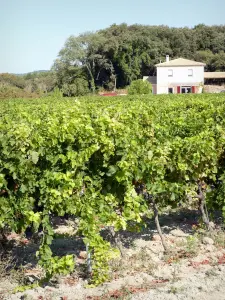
34 157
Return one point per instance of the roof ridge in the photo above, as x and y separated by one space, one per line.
180 61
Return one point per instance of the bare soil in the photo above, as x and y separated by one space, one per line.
194 267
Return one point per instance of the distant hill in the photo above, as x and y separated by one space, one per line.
34 72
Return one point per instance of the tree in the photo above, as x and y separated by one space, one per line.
83 53
218 61
205 56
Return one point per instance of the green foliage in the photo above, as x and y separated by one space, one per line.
121 54
78 88
131 52
12 80
8 91
85 158
57 93
140 87
23 288
28 86
82 55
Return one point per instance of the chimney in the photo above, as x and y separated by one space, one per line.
167 58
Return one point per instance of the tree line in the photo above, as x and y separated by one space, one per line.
115 56
30 85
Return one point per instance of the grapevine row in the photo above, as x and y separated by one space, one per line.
107 162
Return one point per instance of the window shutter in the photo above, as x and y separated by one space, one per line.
178 90
193 89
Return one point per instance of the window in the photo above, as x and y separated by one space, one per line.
170 90
170 73
190 72
185 90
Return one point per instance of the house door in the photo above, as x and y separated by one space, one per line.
185 89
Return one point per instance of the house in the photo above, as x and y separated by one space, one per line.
178 76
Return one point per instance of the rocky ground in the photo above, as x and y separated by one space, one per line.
193 267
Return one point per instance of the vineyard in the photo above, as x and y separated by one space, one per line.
108 163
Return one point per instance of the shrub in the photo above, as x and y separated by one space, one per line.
140 87
8 91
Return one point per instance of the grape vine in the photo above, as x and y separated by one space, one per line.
107 162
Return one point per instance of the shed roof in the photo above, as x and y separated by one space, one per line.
151 79
180 62
214 75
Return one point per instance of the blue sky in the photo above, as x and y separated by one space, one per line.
33 31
